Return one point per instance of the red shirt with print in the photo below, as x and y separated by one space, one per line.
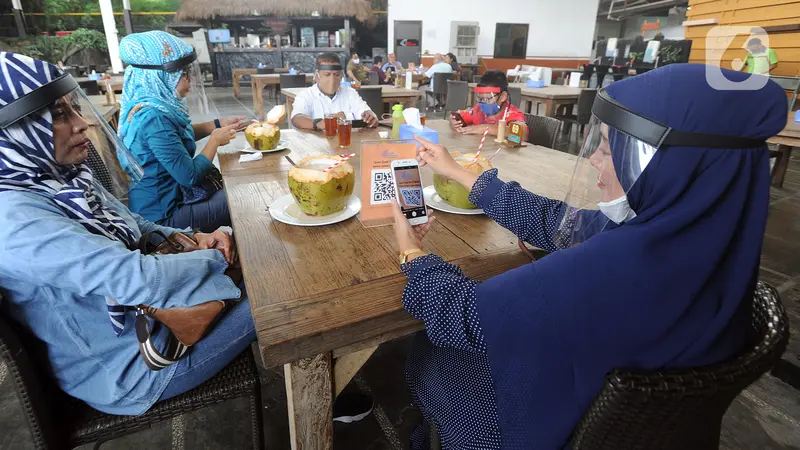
474 115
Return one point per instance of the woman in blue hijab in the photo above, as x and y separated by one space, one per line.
655 256
70 268
178 189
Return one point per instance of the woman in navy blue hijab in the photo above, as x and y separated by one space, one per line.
655 259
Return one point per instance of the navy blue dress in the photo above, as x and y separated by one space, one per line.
447 370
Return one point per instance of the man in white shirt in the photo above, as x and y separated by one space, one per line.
439 66
327 96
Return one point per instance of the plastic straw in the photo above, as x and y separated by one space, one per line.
339 163
480 147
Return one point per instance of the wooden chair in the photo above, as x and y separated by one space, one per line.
682 409
58 421
542 130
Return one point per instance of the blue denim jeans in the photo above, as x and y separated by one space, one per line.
230 336
207 216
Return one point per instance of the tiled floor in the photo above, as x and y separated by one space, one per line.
766 416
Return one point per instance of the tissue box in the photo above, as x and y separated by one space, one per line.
408 132
797 116
94 76
534 84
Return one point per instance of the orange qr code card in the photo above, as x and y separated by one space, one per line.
377 182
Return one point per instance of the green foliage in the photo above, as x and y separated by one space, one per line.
669 55
55 20
636 56
53 48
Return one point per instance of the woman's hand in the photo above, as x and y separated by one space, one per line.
436 156
472 129
408 237
222 136
221 241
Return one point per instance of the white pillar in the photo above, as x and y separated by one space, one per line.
128 20
111 35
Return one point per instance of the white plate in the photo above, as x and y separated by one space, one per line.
282 145
285 210
433 200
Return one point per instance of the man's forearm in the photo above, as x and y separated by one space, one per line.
303 122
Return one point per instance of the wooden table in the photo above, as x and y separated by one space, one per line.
258 82
239 72
110 112
323 298
551 96
787 139
389 94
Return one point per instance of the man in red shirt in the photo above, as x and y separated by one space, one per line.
493 104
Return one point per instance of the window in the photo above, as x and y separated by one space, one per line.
464 41
511 40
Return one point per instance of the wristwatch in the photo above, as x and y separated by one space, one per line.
217 124
316 121
404 256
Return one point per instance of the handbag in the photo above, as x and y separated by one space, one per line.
201 192
186 325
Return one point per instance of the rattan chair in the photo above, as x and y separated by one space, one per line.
457 94
374 98
682 409
515 96
57 421
290 81
439 91
373 78
582 115
542 130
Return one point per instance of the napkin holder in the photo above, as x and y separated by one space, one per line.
408 132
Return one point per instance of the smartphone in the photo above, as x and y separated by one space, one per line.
358 123
408 190
457 116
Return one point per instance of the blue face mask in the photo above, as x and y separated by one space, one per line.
489 109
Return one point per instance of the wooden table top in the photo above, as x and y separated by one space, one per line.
388 91
790 135
339 287
108 111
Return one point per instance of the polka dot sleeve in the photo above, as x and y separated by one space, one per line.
440 295
532 218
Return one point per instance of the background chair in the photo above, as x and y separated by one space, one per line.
439 92
58 421
373 97
457 93
290 81
373 78
791 84
682 409
515 96
90 87
542 130
265 70
583 114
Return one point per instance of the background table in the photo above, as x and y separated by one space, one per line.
258 82
110 112
323 298
116 82
239 72
389 94
551 96
787 139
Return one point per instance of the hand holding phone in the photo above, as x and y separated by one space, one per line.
408 190
456 120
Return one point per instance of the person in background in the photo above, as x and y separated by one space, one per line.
451 59
493 104
355 70
439 66
383 77
392 64
328 96
156 126
760 59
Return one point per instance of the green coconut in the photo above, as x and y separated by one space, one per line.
451 191
320 193
263 136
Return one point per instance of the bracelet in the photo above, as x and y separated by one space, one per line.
217 124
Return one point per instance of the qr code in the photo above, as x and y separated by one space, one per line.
381 187
412 196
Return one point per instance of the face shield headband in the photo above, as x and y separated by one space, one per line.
171 66
36 100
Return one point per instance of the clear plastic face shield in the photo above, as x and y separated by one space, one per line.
190 88
618 147
328 77
81 132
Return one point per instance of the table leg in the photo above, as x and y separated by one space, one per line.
236 79
781 164
289 103
258 99
549 107
309 396
345 368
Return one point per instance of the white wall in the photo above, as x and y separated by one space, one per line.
563 28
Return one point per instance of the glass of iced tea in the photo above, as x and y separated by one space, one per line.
422 117
331 124
345 130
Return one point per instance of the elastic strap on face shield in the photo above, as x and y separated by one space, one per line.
329 67
171 66
616 115
37 99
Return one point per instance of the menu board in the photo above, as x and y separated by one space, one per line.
377 181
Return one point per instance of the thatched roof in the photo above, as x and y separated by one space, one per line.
207 9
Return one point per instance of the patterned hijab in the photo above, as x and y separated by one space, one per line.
27 155
148 87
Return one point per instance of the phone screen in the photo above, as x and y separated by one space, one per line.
409 189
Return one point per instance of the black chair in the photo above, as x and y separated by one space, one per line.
542 130
291 81
374 98
457 94
682 409
58 421
584 111
90 87
373 79
466 75
265 70
515 96
439 91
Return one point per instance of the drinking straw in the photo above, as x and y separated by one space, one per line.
480 147
339 163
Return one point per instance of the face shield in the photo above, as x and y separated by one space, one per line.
190 88
74 120
618 147
328 77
